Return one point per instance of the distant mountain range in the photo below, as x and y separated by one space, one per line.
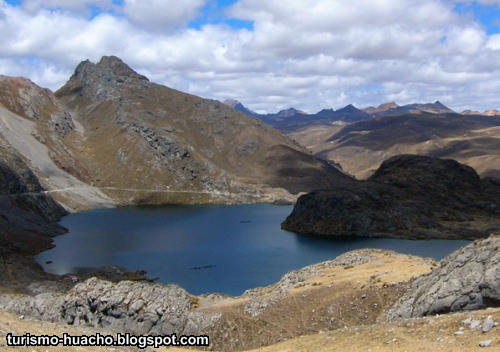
359 140
361 147
292 120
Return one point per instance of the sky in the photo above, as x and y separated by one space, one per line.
270 54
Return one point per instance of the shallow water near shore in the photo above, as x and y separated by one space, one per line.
226 249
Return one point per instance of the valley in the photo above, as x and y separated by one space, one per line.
359 140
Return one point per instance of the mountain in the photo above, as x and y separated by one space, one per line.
432 108
110 136
381 108
490 112
361 147
235 104
409 196
295 121
272 119
292 120
347 114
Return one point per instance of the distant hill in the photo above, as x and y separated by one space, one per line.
490 112
409 196
360 147
291 120
381 108
392 109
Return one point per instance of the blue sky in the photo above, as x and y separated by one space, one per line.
271 55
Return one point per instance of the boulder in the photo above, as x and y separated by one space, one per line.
467 279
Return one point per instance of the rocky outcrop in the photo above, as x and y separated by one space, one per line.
409 196
27 222
467 279
261 302
137 308
27 215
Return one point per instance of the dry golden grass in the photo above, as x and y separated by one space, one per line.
426 334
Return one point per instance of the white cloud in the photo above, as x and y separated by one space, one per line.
484 2
33 6
310 54
162 13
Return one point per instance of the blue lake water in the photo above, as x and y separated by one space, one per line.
225 249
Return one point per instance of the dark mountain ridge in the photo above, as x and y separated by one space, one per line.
432 108
292 120
409 196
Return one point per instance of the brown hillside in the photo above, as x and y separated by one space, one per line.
184 147
361 147
109 136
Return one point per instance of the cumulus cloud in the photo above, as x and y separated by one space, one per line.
162 13
310 54
73 5
485 2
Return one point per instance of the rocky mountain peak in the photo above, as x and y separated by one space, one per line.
104 79
381 108
108 67
231 102
289 112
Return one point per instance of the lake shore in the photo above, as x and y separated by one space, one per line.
337 303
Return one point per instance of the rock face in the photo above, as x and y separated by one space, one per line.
27 215
137 308
409 196
467 279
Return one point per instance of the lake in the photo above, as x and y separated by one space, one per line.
225 249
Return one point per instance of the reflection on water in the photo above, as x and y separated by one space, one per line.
204 249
